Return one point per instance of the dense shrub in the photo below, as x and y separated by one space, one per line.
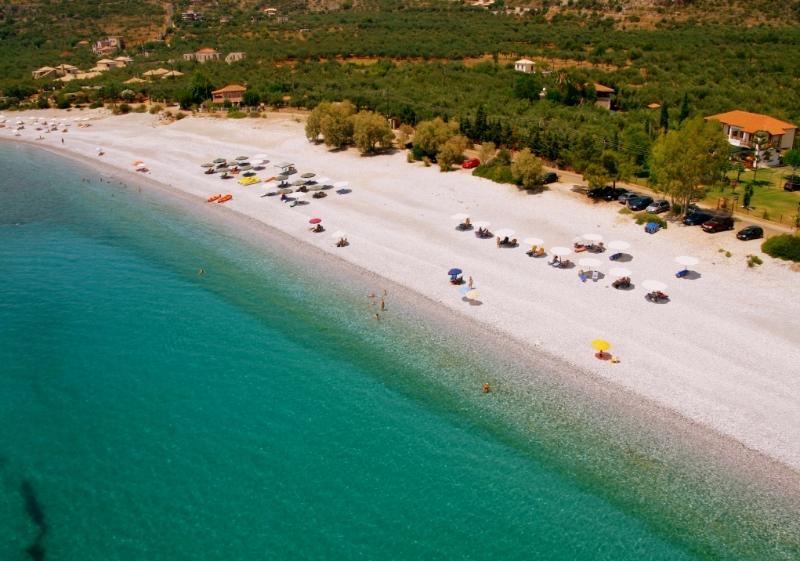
785 246
236 114
645 217
497 170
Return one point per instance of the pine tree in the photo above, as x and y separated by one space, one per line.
664 120
684 114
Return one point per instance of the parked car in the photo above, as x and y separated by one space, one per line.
793 184
598 192
627 196
640 203
697 218
750 233
471 163
659 206
718 224
550 177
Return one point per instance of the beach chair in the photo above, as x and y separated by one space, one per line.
615 256
595 276
582 276
682 273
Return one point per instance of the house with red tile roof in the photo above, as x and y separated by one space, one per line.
766 136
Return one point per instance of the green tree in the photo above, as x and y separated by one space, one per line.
314 121
371 130
527 86
487 152
684 160
251 98
430 136
684 114
451 152
663 121
336 124
527 170
792 158
596 175
200 88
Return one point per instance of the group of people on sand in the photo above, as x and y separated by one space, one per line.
373 301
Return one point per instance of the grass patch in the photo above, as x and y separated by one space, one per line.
785 246
769 199
753 260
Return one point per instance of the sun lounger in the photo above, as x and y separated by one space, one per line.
595 276
657 296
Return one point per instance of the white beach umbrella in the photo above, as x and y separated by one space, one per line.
687 260
341 185
619 245
460 216
339 234
504 233
99 149
284 191
533 241
620 272
260 157
560 251
315 187
482 224
654 285
595 238
325 181
590 263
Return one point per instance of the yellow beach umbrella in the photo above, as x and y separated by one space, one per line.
601 345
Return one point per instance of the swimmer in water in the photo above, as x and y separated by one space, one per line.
201 271
486 388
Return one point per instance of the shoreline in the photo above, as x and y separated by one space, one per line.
579 374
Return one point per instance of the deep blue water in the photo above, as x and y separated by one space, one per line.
252 412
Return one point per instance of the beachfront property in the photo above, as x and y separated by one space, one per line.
743 129
203 55
108 45
105 64
43 72
156 72
235 56
52 71
232 93
604 94
525 65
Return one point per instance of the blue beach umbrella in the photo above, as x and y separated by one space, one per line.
454 272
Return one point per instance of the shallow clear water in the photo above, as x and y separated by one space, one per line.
256 411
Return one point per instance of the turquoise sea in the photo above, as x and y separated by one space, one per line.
258 411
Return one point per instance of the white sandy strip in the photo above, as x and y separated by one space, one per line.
724 352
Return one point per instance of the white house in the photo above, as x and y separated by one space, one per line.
525 65
744 130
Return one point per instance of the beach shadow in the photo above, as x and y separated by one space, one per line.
344 191
472 302
693 275
600 276
623 258
626 288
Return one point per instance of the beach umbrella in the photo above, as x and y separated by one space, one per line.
654 285
461 217
298 182
245 167
594 238
137 162
315 187
338 234
619 245
504 233
560 251
454 272
590 263
620 272
284 191
482 224
341 185
533 241
601 346
307 175
141 165
325 181
472 294
240 158
314 220
261 157
687 260
220 161
207 165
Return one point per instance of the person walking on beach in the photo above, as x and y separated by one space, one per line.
62 140
469 282
383 304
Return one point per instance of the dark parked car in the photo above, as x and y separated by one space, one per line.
659 206
793 184
697 217
606 193
640 203
750 233
549 177
627 196
471 163
718 224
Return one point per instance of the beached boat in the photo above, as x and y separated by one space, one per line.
225 198
213 198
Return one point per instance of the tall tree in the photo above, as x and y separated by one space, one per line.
371 130
684 114
792 158
664 119
683 161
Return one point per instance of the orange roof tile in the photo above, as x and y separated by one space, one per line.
231 88
753 122
207 50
